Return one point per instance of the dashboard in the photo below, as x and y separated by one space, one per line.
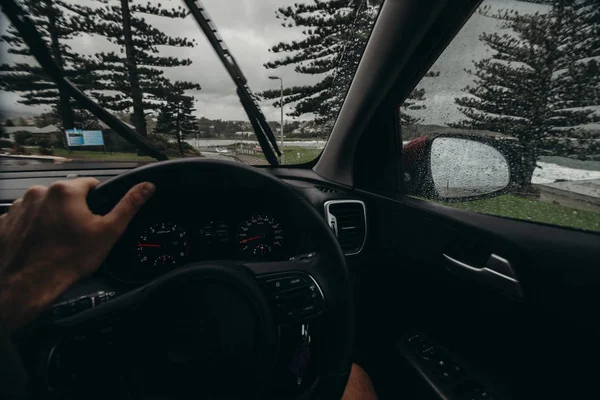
209 223
170 233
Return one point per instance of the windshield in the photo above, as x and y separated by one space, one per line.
149 64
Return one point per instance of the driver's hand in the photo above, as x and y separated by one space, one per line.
49 239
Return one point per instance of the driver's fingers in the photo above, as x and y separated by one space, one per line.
76 187
84 184
123 212
14 208
16 204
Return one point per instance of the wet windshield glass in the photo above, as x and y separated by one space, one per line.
148 63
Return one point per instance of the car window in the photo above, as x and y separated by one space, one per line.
507 120
149 63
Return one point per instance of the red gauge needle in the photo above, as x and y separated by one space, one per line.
148 245
250 239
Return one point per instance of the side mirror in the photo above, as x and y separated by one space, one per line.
451 167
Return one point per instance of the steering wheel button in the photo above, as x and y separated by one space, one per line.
283 284
427 351
103 297
308 309
297 281
273 285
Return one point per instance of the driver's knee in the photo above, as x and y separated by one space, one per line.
359 386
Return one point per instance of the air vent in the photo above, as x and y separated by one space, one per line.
348 220
4 208
326 189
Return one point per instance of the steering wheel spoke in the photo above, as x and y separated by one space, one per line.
292 287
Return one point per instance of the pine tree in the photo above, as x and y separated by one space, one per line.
335 34
133 76
45 119
578 86
414 102
176 117
522 90
54 22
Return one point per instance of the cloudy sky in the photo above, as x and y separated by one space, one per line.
249 28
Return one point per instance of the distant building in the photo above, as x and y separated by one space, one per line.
49 129
244 133
305 127
11 130
47 132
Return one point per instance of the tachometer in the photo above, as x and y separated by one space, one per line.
260 235
163 244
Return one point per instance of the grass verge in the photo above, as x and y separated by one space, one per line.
296 154
533 210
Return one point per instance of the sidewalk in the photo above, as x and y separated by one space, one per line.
583 195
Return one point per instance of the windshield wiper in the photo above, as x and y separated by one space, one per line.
262 130
33 39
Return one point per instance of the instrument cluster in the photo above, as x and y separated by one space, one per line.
155 246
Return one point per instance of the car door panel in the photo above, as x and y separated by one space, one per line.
526 346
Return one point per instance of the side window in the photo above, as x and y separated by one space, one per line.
507 121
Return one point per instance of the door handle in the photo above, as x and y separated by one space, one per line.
497 273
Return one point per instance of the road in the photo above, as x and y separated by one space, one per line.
14 162
252 160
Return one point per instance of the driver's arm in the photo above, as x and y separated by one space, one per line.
49 239
359 386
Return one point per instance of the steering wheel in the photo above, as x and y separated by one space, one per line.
212 328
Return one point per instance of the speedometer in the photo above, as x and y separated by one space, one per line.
260 235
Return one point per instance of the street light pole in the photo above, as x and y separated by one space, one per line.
282 160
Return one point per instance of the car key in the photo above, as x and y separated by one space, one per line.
301 356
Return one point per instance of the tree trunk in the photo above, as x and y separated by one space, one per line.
178 132
64 102
179 143
139 118
527 165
